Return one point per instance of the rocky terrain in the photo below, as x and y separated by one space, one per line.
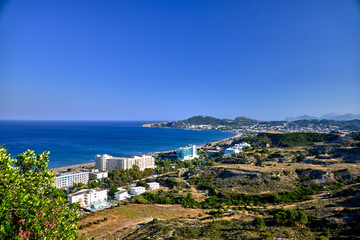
302 191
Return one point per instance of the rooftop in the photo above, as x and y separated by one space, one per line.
86 191
75 171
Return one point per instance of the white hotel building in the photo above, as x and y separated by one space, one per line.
237 148
122 194
153 185
87 197
136 190
67 179
97 175
106 162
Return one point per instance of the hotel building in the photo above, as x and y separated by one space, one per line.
106 162
97 175
122 194
153 185
88 196
186 153
237 148
136 190
67 179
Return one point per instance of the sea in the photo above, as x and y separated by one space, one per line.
77 142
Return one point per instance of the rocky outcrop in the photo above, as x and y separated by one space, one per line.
350 155
315 176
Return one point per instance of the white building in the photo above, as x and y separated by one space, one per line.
88 196
230 151
153 185
106 162
237 148
122 194
97 175
67 179
134 190
186 153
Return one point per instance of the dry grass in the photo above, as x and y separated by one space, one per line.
124 218
291 167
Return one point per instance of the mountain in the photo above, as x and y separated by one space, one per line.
303 117
245 120
307 123
329 116
346 117
205 120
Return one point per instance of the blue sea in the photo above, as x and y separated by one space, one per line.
77 142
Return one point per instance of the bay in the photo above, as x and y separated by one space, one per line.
77 142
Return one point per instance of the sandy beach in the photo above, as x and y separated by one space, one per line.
92 164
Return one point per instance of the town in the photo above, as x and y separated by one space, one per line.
246 126
238 179
301 185
96 198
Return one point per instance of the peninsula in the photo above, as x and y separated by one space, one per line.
248 125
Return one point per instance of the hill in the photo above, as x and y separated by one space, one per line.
245 124
329 116
204 120
287 186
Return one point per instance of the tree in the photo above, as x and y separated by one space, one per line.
135 172
142 184
302 217
246 149
31 207
259 223
290 217
112 191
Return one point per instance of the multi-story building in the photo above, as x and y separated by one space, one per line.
106 162
153 185
136 190
97 175
87 197
186 153
122 194
237 148
67 179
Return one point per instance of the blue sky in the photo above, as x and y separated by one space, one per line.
169 60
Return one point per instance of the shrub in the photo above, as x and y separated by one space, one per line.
140 199
259 223
321 238
290 217
267 236
286 172
31 207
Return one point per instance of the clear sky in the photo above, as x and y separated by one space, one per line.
169 60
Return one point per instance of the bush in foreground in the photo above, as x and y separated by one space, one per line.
30 206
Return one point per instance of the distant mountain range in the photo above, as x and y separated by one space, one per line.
306 123
204 120
329 116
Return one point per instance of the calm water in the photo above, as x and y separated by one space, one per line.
78 142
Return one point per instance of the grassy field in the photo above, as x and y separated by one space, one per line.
125 218
279 167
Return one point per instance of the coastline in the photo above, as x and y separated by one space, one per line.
92 164
223 140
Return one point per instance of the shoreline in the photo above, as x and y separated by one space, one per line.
92 164
226 139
